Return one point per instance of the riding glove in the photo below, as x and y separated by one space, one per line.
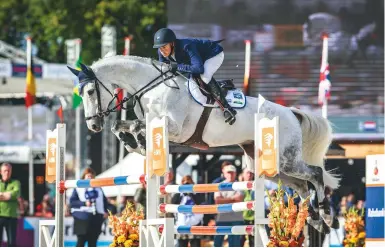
173 66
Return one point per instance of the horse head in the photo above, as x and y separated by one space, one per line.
96 97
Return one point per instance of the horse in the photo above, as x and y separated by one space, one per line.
153 89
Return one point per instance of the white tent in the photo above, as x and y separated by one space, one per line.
131 165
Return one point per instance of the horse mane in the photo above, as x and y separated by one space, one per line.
125 60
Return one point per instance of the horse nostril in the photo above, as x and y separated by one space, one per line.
94 127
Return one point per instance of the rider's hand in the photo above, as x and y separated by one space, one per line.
88 203
173 66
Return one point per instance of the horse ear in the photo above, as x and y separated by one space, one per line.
84 67
74 71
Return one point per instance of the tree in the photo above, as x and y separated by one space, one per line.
51 22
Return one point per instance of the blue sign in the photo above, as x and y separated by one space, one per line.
375 195
20 70
375 212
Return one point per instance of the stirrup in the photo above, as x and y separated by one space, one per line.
230 119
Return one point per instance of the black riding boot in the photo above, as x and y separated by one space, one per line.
228 111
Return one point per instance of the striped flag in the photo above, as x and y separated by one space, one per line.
30 89
324 82
368 126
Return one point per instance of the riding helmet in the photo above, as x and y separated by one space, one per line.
163 36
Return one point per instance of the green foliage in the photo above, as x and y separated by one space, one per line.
51 22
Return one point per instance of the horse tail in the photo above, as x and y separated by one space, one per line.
316 138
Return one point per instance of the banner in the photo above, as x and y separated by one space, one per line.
266 146
56 71
20 70
158 147
5 68
374 205
288 36
14 154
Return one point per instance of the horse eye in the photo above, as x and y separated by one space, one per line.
90 92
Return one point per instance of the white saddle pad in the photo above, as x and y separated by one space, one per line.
235 98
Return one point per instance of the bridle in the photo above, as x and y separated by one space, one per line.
136 96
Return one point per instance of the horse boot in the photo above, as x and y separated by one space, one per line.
228 111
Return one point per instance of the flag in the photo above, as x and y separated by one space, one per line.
324 84
59 112
76 98
368 126
30 89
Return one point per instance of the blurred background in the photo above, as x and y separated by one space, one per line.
285 61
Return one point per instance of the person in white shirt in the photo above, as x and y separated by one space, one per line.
229 219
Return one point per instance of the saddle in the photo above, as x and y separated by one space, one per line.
224 85
196 139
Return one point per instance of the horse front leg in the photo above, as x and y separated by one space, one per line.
132 133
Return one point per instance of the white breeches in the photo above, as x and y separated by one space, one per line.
211 66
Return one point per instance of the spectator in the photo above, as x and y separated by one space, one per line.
232 218
350 201
221 178
23 206
89 209
187 219
248 215
9 194
342 206
210 196
329 196
360 205
140 196
45 208
217 180
112 205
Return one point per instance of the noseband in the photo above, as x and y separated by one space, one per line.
136 96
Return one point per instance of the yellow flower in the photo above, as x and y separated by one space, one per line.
283 244
133 237
354 240
121 239
128 243
113 244
361 235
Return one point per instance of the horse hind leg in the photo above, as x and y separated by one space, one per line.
314 175
301 188
299 185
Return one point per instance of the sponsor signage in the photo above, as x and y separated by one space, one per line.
14 154
374 205
20 70
56 71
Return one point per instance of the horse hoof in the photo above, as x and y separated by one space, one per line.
143 151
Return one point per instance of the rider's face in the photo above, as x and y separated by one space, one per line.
166 50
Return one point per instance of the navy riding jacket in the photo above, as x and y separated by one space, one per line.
191 54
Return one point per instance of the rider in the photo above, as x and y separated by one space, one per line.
196 56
